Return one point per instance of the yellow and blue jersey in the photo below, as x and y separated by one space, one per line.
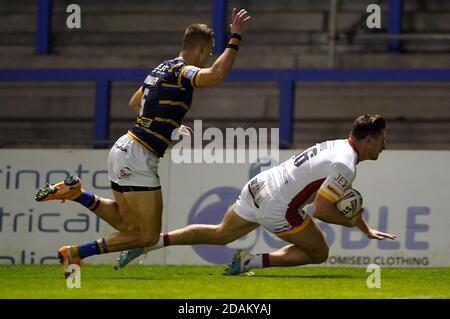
167 96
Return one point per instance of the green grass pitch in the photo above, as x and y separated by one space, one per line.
207 282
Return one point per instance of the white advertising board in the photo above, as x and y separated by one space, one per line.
404 193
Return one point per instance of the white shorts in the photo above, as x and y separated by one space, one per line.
129 164
270 212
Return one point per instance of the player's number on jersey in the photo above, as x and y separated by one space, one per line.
301 158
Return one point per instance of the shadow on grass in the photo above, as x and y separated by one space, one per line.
308 276
187 277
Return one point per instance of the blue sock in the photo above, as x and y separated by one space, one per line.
95 247
88 200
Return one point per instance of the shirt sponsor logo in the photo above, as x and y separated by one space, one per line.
340 181
151 80
125 173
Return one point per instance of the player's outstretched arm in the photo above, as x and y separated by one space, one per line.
220 68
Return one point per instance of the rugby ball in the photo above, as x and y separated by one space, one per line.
350 203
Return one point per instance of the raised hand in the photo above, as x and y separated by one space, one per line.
239 21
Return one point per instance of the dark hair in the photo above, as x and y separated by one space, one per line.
366 125
197 34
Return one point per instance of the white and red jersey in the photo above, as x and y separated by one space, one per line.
275 198
327 168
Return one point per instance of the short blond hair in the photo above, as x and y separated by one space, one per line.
197 34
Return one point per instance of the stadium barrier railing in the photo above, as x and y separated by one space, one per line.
286 79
